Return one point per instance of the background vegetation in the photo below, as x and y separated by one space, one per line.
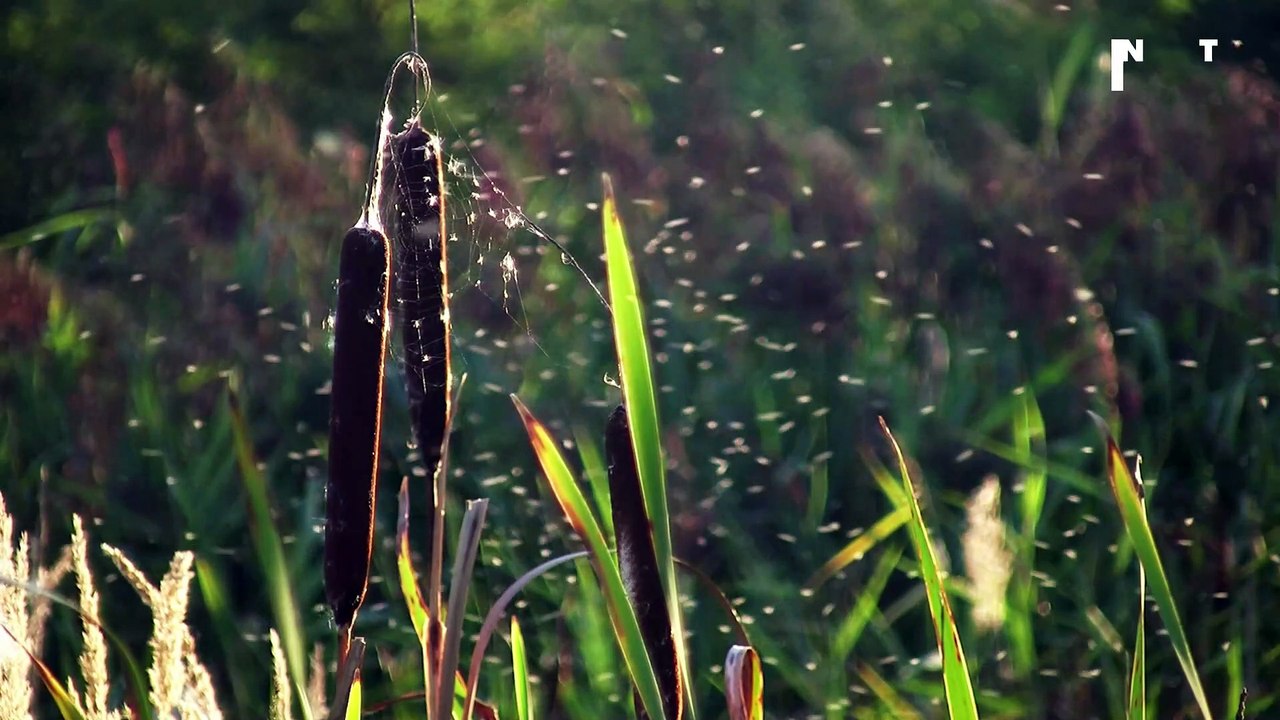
936 212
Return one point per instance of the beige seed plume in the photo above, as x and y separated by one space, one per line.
47 579
197 700
281 695
93 658
988 561
15 666
178 681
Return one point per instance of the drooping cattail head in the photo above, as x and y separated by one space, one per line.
422 287
359 352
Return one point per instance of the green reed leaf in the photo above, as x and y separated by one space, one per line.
1137 709
631 340
857 548
879 687
957 684
1129 499
407 574
269 549
520 666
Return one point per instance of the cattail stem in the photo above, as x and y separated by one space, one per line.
344 644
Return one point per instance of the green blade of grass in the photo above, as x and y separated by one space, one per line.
1235 680
214 593
1129 497
1075 479
1137 709
578 512
744 684
1054 104
858 547
902 709
957 684
408 575
1029 447
597 651
1104 632
1028 442
269 550
864 609
73 220
888 484
631 340
520 666
819 479
593 468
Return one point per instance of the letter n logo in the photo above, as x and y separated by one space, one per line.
1122 51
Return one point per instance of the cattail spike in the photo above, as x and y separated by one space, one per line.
359 352
638 561
422 289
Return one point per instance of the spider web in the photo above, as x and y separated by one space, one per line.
513 286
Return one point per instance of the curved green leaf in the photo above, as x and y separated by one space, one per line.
269 549
957 684
520 665
1129 499
859 546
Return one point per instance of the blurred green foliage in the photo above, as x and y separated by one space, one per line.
929 212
